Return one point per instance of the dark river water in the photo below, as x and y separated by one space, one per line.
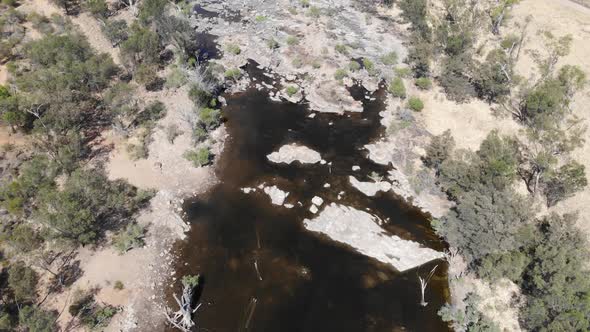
261 270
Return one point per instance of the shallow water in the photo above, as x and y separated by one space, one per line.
262 270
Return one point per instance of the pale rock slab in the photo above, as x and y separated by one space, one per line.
361 231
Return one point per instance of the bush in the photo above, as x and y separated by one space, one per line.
314 12
403 72
146 74
397 88
297 62
176 78
260 18
199 96
23 282
233 49
172 132
291 90
36 319
389 59
98 8
24 239
272 44
210 117
199 133
154 111
423 83
369 67
341 48
199 158
415 104
116 31
233 74
354 66
340 74
119 285
292 40
131 237
440 149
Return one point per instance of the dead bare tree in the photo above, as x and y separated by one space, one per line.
424 283
182 319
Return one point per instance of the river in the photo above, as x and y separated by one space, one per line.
261 269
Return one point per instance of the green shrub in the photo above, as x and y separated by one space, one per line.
369 67
146 75
423 83
131 237
341 48
98 8
200 157
272 44
199 133
260 18
233 74
291 90
210 117
316 64
297 62
24 238
36 319
154 111
403 72
415 104
389 59
172 132
314 12
119 285
304 3
292 40
340 74
354 66
233 49
199 96
397 88
116 31
23 282
176 78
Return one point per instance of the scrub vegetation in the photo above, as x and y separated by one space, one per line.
497 230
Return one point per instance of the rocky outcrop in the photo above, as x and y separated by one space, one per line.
277 196
290 153
370 188
361 231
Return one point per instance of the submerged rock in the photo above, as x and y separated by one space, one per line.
292 152
370 188
361 231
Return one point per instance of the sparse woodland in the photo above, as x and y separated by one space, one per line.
55 195
494 227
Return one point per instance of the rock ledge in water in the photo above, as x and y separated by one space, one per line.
290 153
360 230
369 188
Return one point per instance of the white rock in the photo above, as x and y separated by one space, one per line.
318 201
327 185
322 162
369 188
290 153
313 209
356 168
361 231
289 206
277 196
312 115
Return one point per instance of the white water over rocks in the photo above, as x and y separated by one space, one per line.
361 231
292 152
